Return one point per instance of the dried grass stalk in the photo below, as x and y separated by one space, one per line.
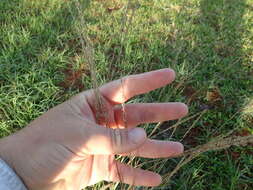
218 143
101 111
88 53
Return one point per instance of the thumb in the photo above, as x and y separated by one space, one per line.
103 140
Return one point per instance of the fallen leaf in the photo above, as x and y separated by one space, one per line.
115 8
214 95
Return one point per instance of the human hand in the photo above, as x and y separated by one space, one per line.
66 149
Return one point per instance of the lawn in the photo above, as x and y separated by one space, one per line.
209 43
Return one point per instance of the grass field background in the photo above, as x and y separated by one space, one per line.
209 43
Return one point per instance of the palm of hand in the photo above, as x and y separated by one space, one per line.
69 150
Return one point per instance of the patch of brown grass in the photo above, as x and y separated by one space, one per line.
73 77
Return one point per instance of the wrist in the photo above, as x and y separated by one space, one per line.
6 151
21 153
12 152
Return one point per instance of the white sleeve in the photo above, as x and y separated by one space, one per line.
8 178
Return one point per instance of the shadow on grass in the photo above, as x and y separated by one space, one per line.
215 50
220 84
226 81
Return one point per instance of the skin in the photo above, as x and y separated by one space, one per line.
65 148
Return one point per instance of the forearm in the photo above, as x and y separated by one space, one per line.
9 180
6 151
18 152
14 152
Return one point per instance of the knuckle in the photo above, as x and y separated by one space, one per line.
117 139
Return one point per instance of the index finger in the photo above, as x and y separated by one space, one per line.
121 90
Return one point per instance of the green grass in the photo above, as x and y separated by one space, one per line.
208 43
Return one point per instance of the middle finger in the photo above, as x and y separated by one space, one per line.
135 114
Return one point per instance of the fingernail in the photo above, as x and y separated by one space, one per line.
137 135
178 148
184 109
172 75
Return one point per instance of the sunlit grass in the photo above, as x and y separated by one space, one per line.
208 43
